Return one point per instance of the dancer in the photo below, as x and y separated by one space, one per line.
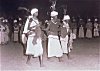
34 42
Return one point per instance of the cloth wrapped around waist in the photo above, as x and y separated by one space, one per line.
53 36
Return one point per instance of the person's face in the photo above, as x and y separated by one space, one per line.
74 20
54 17
66 21
35 14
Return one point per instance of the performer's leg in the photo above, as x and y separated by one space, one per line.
60 59
68 55
41 60
24 48
28 59
47 47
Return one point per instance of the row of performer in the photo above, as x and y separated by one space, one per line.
59 35
80 30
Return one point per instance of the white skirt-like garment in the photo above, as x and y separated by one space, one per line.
15 35
2 38
96 33
23 38
6 37
36 49
75 31
54 47
81 33
89 33
64 43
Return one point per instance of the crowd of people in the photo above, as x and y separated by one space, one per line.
10 32
58 34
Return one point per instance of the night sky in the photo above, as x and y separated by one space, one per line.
75 7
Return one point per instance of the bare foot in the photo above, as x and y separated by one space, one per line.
28 62
41 65
60 60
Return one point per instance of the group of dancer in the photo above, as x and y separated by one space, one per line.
57 32
4 30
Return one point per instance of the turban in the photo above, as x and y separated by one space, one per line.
15 21
89 19
20 19
54 13
66 17
96 19
34 10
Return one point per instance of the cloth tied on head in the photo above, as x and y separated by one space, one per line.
66 17
89 19
34 10
54 13
96 19
15 21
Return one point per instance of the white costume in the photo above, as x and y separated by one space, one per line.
6 34
64 36
54 47
2 34
81 32
16 33
89 30
33 49
96 30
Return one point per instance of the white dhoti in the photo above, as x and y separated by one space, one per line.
89 33
2 37
6 37
15 35
64 43
36 49
54 47
81 33
75 31
96 33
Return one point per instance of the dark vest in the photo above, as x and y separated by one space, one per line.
64 32
54 28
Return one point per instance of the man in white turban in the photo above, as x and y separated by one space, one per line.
54 46
65 35
34 41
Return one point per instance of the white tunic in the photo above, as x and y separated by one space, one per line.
96 30
89 30
6 33
81 32
34 49
89 33
16 33
24 38
2 34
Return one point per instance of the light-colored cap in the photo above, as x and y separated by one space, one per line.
34 10
54 13
15 21
6 20
66 17
20 19
89 19
3 21
96 19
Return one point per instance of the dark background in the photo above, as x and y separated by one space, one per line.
83 8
